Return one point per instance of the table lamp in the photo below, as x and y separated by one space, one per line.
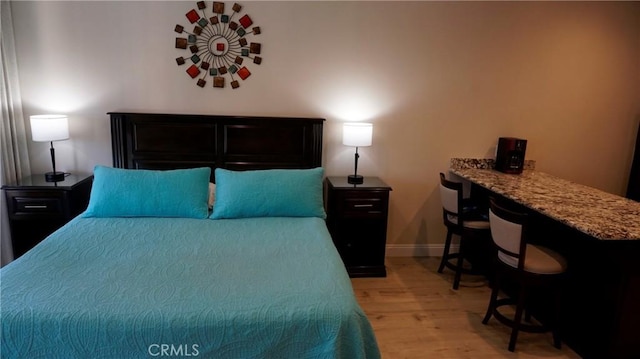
357 134
49 128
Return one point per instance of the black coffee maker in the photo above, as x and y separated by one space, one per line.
510 154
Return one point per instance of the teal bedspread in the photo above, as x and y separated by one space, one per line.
158 287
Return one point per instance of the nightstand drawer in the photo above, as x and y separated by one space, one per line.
358 204
50 205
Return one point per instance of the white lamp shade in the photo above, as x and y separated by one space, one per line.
357 134
46 128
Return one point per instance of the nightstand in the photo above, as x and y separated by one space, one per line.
357 220
37 208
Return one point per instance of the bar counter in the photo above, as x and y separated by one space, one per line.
599 214
599 235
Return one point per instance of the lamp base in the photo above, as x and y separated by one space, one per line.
355 179
54 176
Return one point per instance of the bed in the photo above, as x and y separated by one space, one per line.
155 272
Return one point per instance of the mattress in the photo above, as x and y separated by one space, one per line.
149 287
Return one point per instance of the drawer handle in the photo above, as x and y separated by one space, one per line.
363 205
35 206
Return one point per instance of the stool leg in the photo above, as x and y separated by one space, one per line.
518 318
456 279
495 288
445 253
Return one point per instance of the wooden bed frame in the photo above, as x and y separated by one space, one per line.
171 141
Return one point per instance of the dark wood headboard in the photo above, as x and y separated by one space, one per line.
166 141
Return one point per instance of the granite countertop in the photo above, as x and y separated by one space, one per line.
597 213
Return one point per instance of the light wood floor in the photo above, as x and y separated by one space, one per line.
416 314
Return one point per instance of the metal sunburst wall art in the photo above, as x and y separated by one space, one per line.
218 45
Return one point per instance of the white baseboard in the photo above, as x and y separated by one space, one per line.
417 250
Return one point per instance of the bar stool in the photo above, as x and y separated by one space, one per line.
529 266
462 221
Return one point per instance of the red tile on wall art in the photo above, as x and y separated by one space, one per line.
193 71
245 21
220 46
244 73
192 16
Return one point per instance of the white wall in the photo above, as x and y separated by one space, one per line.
437 79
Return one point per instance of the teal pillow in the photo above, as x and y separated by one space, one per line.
268 193
145 193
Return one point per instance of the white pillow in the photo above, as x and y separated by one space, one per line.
212 194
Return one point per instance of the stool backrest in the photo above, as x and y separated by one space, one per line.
451 197
507 231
